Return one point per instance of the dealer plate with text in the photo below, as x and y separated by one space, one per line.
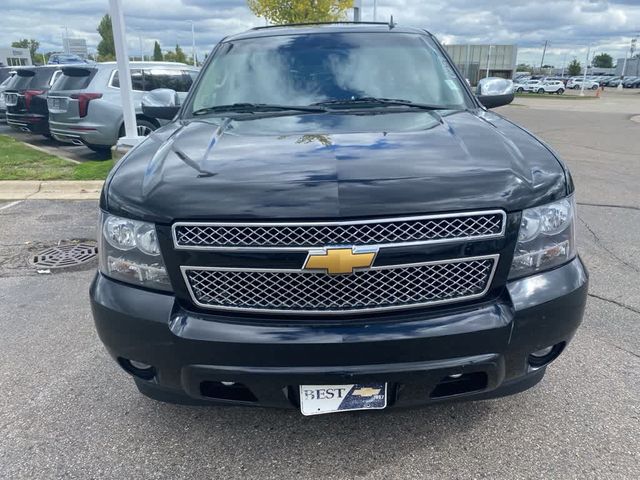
319 399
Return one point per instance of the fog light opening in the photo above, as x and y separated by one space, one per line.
546 355
138 369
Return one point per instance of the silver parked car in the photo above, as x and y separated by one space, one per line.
85 106
3 86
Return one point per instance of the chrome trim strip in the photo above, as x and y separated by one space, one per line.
176 246
495 258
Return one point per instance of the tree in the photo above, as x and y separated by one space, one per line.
106 47
157 53
180 56
523 67
300 11
574 68
31 44
603 60
175 56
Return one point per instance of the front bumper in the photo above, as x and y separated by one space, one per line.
416 352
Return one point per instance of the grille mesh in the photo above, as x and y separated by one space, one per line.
374 233
307 292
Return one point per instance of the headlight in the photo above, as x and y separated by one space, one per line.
129 252
546 238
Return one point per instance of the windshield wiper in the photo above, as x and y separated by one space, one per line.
257 107
376 102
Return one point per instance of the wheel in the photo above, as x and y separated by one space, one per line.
560 91
595 87
541 90
145 127
519 90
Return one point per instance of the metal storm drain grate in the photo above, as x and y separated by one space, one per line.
64 256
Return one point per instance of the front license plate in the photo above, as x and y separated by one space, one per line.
319 399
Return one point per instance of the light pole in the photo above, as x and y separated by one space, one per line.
586 67
193 44
65 40
131 137
141 49
544 52
624 65
357 10
564 62
488 61
375 10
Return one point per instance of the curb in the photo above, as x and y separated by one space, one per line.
50 190
50 151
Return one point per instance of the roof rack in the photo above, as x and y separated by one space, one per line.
388 24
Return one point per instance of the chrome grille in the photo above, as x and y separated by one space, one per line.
379 288
381 232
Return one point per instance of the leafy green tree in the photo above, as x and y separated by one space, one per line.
300 11
31 44
603 60
523 67
180 56
574 68
106 47
157 52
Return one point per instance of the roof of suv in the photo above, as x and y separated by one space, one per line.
137 64
337 27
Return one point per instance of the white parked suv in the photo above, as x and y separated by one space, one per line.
576 84
532 85
519 84
551 86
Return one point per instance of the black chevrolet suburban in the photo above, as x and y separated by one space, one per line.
334 221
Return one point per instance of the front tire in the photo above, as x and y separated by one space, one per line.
541 90
595 87
560 91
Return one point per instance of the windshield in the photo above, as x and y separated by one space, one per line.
303 70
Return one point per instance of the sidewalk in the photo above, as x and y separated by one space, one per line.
50 190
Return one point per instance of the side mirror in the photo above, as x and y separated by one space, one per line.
495 92
162 103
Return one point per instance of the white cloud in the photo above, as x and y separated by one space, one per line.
569 25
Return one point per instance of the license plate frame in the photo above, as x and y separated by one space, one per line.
325 399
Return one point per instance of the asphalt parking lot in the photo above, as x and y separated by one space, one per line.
67 410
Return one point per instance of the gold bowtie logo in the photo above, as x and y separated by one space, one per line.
366 392
336 261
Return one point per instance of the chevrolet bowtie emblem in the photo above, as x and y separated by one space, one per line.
337 261
366 392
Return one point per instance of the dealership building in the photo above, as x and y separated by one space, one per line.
14 57
632 67
474 60
76 46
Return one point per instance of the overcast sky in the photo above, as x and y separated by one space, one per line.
569 25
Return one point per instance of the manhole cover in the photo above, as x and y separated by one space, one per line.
63 256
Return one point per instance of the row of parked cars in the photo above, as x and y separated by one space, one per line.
559 85
81 104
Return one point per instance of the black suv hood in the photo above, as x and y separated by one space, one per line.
334 166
